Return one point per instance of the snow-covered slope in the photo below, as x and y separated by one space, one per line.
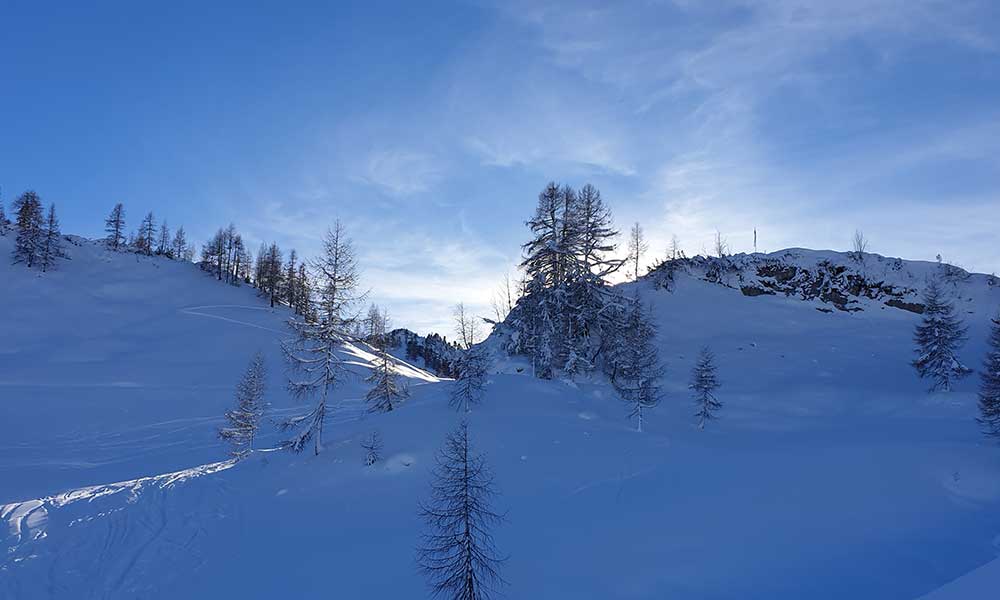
831 474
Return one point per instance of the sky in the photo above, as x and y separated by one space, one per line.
429 128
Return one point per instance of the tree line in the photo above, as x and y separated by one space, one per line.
149 238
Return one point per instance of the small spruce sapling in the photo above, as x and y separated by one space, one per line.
470 384
386 393
458 554
637 369
372 445
244 418
704 382
938 337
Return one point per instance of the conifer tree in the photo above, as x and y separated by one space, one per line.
457 552
567 306
372 445
29 223
637 367
52 241
244 418
291 286
144 239
4 221
179 245
470 383
545 254
704 382
214 257
273 275
385 393
114 226
938 338
163 242
576 356
989 384
303 295
315 363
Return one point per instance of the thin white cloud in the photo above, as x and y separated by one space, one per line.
663 106
402 172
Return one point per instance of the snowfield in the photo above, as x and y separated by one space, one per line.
831 474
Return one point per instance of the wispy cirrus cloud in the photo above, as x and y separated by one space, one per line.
795 118
402 172
799 120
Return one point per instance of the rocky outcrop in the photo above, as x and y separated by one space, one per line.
838 280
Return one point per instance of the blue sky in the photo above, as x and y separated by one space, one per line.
429 128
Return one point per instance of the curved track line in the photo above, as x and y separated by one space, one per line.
195 311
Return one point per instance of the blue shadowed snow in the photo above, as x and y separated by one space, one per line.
831 473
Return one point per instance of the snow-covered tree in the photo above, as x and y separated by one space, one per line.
592 243
637 246
386 392
704 382
457 552
51 241
989 384
244 418
315 363
545 254
472 369
575 351
114 226
637 369
938 337
567 303
29 223
372 445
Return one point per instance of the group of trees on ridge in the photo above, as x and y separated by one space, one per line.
569 319
148 239
37 240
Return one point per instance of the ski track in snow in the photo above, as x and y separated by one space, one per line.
133 514
197 312
122 524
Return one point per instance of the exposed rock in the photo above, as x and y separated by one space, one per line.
837 279
913 307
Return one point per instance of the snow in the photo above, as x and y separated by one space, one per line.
830 473
981 583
